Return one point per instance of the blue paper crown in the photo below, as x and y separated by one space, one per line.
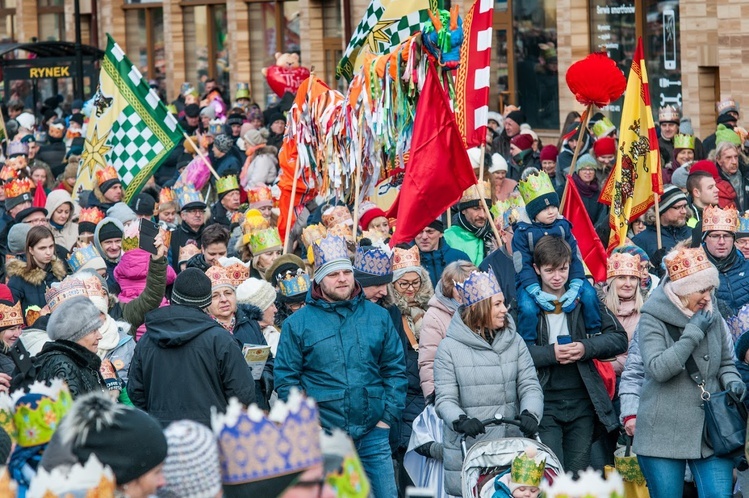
373 261
81 256
187 194
744 224
478 286
293 284
17 149
255 448
329 249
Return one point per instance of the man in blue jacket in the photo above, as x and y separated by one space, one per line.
344 352
434 251
674 229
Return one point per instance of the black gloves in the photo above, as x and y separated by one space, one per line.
266 383
430 399
425 449
528 424
471 427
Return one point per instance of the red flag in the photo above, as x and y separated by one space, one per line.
472 78
591 248
40 196
438 170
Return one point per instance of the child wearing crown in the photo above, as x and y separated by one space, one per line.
542 206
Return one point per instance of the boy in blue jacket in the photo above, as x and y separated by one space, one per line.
542 206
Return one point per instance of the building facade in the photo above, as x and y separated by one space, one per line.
696 49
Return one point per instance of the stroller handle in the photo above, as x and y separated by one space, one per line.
488 423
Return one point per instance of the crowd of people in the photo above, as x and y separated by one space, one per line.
116 360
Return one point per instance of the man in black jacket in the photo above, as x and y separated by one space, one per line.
186 363
192 212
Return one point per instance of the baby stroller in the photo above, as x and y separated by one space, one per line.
488 459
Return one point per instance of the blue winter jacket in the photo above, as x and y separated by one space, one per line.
647 240
734 283
434 262
347 356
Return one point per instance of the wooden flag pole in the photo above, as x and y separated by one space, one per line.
578 146
657 220
200 153
480 193
287 236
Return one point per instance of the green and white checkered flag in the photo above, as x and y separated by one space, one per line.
129 127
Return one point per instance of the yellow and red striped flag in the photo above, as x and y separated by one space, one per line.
632 184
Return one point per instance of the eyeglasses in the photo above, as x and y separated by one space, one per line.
720 236
680 207
403 285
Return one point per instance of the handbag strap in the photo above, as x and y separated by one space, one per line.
409 334
691 365
628 446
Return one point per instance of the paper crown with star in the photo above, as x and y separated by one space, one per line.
82 255
589 484
18 188
91 215
60 292
259 196
329 249
17 149
32 416
527 468
263 241
255 446
106 174
343 468
373 261
478 286
534 186
293 283
227 184
219 277
622 264
682 141
10 316
91 480
166 195
715 218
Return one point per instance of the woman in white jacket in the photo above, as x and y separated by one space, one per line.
482 367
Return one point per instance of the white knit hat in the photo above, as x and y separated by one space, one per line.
191 468
257 293
499 163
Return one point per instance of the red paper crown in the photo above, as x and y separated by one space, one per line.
106 174
17 188
91 215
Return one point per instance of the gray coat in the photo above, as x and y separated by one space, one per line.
478 379
670 417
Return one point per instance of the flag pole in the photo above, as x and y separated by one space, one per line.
483 200
657 220
287 239
578 146
200 153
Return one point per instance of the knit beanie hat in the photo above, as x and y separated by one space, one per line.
109 230
191 468
254 138
128 440
368 216
499 163
706 165
522 141
549 153
122 213
586 161
17 238
724 134
74 319
143 205
518 116
604 146
223 142
671 195
192 288
208 111
679 177
256 292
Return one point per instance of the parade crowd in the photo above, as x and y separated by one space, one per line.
199 367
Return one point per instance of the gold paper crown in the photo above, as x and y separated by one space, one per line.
32 416
10 316
91 215
526 470
342 230
603 127
313 233
471 194
106 174
18 187
92 480
188 251
264 241
227 184
167 195
61 292
253 222
260 195
534 186
7 173
82 255
622 264
256 446
687 262
683 141
405 258
292 284
337 215
669 114
715 218
219 277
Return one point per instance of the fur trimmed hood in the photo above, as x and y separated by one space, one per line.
36 276
422 297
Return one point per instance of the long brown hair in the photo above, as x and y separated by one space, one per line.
36 235
478 318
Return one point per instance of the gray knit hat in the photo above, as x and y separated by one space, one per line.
17 238
223 142
191 468
74 319
122 212
192 288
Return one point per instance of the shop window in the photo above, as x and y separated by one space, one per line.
206 48
7 21
51 18
144 30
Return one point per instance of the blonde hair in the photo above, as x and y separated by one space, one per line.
457 271
612 300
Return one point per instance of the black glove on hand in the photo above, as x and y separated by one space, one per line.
471 427
425 449
738 388
528 424
430 399
266 383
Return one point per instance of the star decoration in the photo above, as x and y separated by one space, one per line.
379 34
94 151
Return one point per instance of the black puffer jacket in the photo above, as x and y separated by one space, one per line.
180 237
73 363
184 365
247 331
